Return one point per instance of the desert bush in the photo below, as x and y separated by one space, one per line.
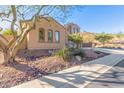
88 37
68 53
64 53
103 38
76 38
8 32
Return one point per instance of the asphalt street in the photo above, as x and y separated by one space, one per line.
114 78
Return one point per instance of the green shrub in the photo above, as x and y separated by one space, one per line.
103 38
68 53
64 53
9 32
76 38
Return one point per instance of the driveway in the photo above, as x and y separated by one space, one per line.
113 78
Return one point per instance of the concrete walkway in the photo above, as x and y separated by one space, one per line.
78 76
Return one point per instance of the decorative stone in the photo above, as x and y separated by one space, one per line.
50 52
78 58
90 53
39 74
29 79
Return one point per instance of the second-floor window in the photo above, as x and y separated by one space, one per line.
50 36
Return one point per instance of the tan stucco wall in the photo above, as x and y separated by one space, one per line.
33 36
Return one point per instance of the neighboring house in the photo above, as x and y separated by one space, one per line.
48 34
71 28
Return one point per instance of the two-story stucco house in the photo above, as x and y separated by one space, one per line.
48 34
71 28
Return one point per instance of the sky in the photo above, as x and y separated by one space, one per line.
97 19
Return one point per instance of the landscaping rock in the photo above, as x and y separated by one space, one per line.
78 58
14 74
39 74
90 53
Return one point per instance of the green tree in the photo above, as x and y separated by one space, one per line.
103 38
76 38
8 32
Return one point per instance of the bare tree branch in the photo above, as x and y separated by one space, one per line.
3 42
5 14
9 21
14 19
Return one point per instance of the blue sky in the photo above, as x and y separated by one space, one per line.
109 19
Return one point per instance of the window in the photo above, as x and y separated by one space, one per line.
70 29
50 36
41 35
57 36
77 30
73 30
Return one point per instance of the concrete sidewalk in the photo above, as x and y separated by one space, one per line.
78 76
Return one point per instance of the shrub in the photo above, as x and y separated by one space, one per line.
68 53
88 37
8 32
76 38
103 38
64 53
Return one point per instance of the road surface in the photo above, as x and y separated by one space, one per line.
114 78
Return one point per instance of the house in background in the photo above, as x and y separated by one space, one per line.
48 34
71 28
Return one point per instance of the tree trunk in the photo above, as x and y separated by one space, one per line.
6 58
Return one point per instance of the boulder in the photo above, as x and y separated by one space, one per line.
78 58
90 53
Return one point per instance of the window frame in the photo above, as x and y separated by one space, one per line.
39 32
58 37
51 40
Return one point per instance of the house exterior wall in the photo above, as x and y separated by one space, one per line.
72 28
33 36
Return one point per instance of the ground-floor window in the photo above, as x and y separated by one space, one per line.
50 36
41 35
57 36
